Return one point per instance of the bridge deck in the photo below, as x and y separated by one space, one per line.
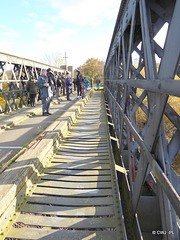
76 196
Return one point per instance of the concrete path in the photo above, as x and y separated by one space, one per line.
22 126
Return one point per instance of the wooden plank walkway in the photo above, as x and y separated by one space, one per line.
76 196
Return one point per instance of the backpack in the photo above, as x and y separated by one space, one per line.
58 83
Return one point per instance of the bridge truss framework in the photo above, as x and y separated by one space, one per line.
14 74
146 86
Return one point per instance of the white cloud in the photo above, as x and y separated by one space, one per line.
30 17
6 31
6 46
25 3
27 20
79 43
84 12
96 49
33 15
56 40
43 26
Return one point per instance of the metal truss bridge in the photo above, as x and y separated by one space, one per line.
145 88
108 167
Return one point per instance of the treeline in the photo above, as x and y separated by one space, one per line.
93 68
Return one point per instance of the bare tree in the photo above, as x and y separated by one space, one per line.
53 59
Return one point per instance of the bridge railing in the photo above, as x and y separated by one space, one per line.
142 87
14 74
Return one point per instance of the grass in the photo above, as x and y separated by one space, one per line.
100 88
56 117
170 129
141 117
174 102
26 144
40 131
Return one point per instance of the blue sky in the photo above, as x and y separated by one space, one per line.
37 29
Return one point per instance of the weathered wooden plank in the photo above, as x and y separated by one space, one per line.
74 192
89 160
82 158
83 151
27 233
94 132
80 185
77 172
87 142
83 148
84 145
77 178
87 119
91 154
67 222
87 137
92 127
79 166
80 211
65 201
84 126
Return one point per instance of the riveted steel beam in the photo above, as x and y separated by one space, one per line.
140 89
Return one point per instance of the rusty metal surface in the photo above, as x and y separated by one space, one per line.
76 196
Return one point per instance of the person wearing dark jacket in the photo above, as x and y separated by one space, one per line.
68 83
74 83
52 83
58 85
44 87
32 89
63 83
97 83
79 80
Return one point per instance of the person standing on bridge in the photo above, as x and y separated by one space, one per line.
32 89
52 83
91 82
58 89
63 83
68 84
86 83
79 80
97 83
43 85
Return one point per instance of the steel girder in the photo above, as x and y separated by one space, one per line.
13 78
145 86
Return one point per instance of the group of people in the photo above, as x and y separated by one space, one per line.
48 85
